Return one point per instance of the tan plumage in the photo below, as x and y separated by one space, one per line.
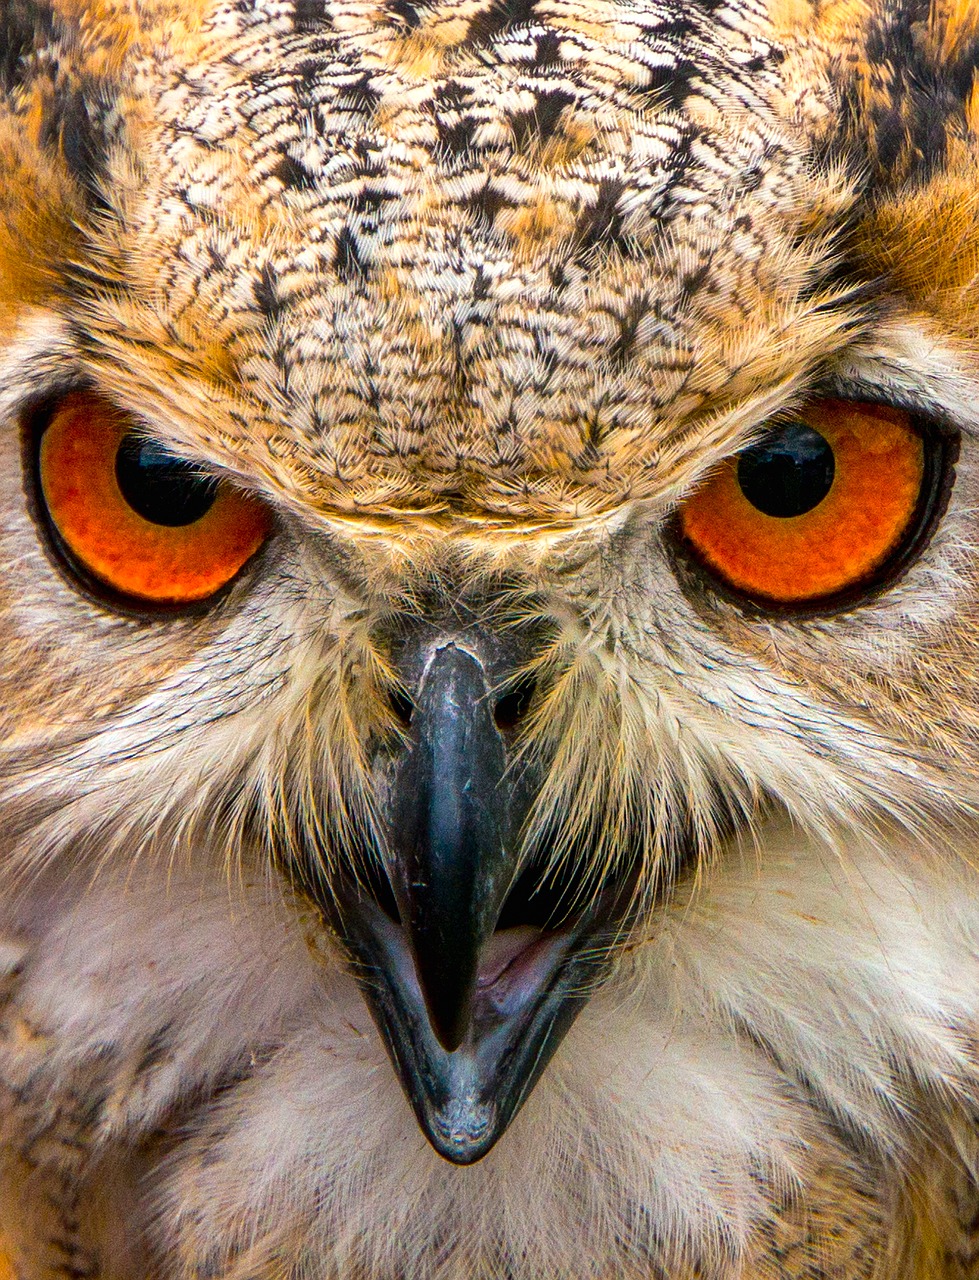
474 293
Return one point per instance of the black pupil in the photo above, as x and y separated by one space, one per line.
788 473
159 487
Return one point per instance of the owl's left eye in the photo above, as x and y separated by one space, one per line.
132 519
829 503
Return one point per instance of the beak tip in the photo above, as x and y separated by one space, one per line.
464 1131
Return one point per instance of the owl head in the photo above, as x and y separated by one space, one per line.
475 461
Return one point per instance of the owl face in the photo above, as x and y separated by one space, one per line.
478 485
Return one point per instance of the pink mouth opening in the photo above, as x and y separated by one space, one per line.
514 967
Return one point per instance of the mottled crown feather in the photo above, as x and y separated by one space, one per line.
492 259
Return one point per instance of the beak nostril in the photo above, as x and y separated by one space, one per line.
513 706
401 705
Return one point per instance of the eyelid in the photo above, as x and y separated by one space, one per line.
935 417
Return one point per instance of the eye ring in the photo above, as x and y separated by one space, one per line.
97 485
939 447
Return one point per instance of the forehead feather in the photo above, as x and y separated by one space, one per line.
496 255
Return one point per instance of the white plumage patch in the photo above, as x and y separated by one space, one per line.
789 1001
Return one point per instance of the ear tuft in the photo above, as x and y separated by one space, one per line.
41 194
24 27
909 88
912 123
62 69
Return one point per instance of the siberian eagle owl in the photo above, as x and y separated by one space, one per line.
489 639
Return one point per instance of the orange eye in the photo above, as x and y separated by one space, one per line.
825 504
134 518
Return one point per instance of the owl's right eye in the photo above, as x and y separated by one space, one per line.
822 509
150 528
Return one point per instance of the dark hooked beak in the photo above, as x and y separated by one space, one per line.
473 973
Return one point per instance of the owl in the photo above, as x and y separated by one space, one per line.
489 639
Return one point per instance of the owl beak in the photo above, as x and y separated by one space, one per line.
471 986
448 833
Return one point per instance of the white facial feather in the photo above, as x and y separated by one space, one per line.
659 1132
